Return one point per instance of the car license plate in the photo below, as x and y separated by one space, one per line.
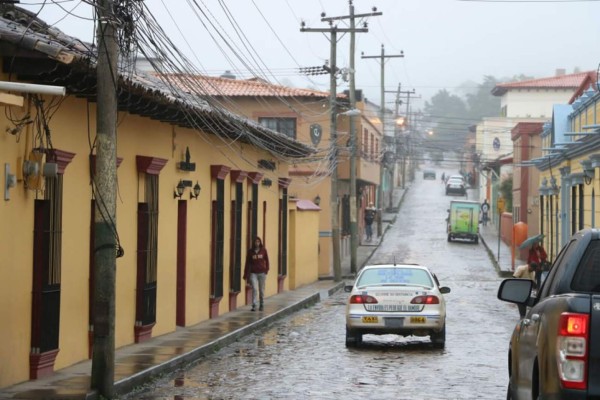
370 320
417 320
394 322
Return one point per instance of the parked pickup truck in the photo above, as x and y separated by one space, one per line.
554 351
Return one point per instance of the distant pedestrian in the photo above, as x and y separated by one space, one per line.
370 212
255 271
443 177
485 208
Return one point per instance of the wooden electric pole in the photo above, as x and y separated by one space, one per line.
382 59
353 204
334 198
105 221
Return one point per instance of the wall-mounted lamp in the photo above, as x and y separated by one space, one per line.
179 190
317 200
553 187
588 171
266 182
196 191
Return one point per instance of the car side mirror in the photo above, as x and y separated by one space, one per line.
515 290
444 290
348 288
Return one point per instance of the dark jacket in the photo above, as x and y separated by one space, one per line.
257 261
369 216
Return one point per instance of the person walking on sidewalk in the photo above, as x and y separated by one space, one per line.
256 270
485 208
369 218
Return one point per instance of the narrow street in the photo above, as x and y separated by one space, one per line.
304 356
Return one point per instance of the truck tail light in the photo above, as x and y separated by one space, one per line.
573 331
425 300
362 299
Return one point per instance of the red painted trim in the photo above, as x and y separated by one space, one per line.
214 307
181 261
248 294
255 177
41 365
233 300
143 333
62 158
264 233
219 171
238 176
150 165
284 182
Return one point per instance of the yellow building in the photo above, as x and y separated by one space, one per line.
191 195
569 185
305 115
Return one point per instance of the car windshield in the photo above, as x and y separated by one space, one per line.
395 276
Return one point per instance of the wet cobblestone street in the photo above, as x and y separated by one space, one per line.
304 356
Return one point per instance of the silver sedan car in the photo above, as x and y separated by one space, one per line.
401 299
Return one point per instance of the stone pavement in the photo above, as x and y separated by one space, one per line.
137 364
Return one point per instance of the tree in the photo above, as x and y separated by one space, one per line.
482 103
446 114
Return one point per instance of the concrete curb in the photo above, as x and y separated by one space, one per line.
128 385
499 271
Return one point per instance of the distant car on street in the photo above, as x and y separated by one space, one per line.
403 299
456 185
428 174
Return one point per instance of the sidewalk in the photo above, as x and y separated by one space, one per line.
137 364
498 251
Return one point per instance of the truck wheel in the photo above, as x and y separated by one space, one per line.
476 240
449 238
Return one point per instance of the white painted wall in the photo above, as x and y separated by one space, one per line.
533 103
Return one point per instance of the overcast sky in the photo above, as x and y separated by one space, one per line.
445 42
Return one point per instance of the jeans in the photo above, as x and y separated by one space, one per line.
369 231
258 287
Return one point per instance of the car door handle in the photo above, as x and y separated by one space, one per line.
535 317
525 322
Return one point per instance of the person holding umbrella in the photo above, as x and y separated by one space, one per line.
537 255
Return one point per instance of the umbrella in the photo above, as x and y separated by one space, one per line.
530 241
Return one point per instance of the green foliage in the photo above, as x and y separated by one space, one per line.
451 115
506 189
482 103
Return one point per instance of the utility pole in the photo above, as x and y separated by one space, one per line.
105 246
334 201
405 123
408 123
382 58
353 203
